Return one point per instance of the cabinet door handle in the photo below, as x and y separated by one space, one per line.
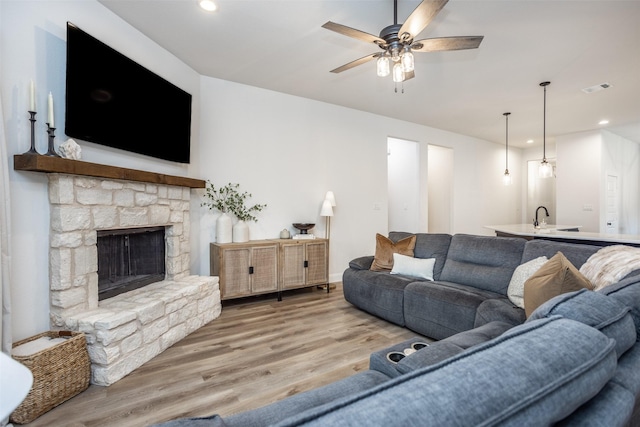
251 270
306 264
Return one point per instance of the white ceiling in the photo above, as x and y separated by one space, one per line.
280 45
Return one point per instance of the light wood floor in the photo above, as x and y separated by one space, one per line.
258 351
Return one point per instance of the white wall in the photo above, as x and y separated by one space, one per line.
287 151
579 172
33 46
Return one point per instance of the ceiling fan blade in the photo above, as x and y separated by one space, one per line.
421 17
355 63
352 32
446 43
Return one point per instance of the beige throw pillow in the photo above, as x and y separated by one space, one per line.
385 248
557 276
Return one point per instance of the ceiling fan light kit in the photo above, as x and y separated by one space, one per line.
397 41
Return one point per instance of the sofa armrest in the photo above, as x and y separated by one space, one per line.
362 263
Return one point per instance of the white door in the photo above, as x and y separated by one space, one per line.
611 224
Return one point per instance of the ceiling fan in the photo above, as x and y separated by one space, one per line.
398 44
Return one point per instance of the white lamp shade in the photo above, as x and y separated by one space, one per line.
330 197
326 210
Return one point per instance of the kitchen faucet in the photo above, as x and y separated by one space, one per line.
535 221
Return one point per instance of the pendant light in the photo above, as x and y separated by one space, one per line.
545 170
506 179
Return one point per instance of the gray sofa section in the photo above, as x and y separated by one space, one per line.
470 290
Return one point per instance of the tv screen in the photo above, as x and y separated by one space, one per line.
114 101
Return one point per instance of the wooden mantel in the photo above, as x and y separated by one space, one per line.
49 164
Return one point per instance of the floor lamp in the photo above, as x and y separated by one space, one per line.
327 212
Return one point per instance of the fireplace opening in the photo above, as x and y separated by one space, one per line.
129 259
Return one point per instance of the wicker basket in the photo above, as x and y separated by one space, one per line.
59 373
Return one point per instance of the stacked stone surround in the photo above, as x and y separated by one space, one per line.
128 330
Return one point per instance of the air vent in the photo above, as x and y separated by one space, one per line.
596 88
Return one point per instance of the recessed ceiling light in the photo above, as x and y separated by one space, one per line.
208 5
603 122
529 141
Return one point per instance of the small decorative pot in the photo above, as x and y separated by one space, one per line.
241 232
284 234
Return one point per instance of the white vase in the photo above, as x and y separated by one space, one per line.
241 232
223 228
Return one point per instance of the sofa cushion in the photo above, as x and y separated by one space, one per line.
560 364
498 310
594 309
428 245
627 291
576 253
385 248
448 347
289 406
557 276
440 309
378 293
483 262
515 292
414 267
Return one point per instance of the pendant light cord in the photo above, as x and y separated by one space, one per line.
544 122
506 153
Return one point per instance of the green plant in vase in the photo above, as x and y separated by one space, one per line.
229 199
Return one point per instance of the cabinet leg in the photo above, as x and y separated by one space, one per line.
328 286
279 296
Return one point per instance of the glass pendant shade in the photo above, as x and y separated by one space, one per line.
407 60
398 73
383 66
395 54
545 170
506 178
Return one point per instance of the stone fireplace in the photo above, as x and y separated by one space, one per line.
126 330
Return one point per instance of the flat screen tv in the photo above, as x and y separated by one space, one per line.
114 101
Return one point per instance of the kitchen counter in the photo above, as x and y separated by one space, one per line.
562 233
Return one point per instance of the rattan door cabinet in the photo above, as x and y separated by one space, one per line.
268 266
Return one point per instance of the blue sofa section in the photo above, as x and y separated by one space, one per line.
574 362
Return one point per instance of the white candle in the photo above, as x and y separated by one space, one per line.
51 123
32 96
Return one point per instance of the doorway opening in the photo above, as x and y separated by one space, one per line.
403 185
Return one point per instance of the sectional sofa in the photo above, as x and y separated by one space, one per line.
573 361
